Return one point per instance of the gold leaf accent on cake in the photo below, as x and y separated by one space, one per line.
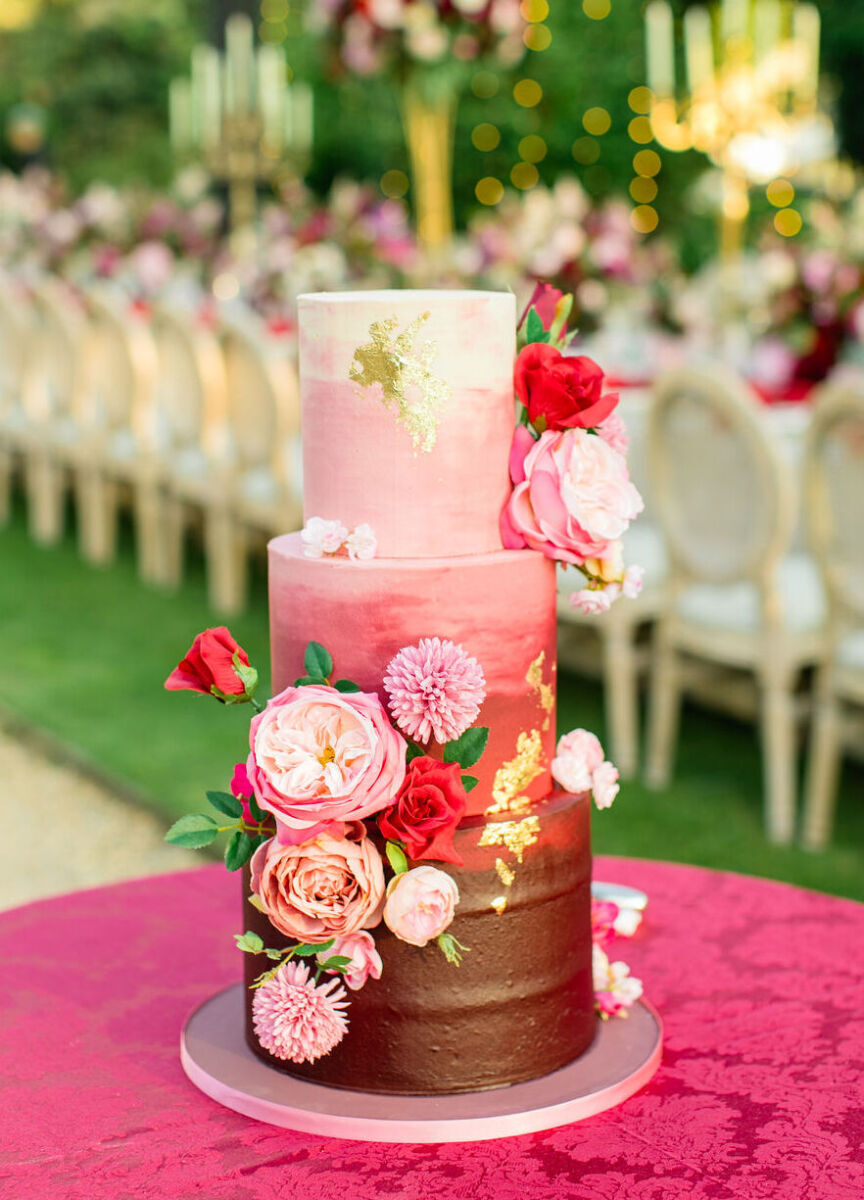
405 376
545 692
505 873
499 904
516 836
513 776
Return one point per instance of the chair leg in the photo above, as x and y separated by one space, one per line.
173 530
97 515
823 766
44 484
664 710
621 696
778 755
149 525
225 545
5 484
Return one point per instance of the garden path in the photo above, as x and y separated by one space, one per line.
63 830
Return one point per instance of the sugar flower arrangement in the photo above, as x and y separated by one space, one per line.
572 496
615 989
338 797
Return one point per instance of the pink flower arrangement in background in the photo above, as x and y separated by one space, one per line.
579 766
319 755
330 886
296 1019
435 690
365 962
420 904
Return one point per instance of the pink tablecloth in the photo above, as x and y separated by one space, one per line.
760 1095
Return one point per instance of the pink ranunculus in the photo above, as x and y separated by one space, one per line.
420 904
604 784
592 601
328 887
319 755
365 959
572 497
577 756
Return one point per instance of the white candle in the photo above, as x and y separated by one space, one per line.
205 93
659 48
270 92
806 30
180 115
733 19
239 60
699 48
766 27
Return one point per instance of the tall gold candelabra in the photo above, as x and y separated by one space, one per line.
240 116
749 100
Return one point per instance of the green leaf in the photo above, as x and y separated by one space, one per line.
469 782
248 675
339 963
346 685
249 942
413 752
396 858
534 331
226 803
256 810
194 831
303 951
317 661
256 902
275 955
238 851
468 749
306 680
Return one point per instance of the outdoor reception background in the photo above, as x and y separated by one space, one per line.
108 213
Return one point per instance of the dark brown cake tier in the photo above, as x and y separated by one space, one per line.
520 1005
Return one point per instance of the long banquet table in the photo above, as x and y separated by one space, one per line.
760 1095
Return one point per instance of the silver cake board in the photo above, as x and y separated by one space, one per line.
622 1058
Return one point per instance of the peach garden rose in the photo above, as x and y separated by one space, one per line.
330 886
318 755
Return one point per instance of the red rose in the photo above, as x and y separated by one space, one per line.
559 392
544 298
210 664
427 809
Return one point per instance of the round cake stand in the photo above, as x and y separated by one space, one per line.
621 1060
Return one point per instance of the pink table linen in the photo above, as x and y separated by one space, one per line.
760 1094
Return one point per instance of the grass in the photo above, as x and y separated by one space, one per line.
84 654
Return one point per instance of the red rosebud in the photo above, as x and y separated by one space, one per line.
212 662
427 809
544 298
561 392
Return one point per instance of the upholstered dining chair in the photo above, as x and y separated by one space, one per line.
735 597
834 489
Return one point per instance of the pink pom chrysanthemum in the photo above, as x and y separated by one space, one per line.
297 1019
435 690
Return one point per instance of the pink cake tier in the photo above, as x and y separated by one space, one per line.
500 607
407 410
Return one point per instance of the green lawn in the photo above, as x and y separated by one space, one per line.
85 653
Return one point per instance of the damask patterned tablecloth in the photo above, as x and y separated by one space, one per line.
760 1094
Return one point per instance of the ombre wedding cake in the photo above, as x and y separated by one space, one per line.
417 901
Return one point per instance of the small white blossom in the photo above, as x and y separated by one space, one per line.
362 543
322 537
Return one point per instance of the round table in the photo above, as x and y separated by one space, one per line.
760 1095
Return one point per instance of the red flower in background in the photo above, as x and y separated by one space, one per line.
211 667
561 392
427 809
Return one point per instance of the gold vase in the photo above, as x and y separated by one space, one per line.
429 124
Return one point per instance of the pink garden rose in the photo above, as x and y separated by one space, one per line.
591 601
319 755
614 432
328 887
577 756
365 959
420 904
572 496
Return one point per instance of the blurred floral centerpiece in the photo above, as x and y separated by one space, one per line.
427 48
